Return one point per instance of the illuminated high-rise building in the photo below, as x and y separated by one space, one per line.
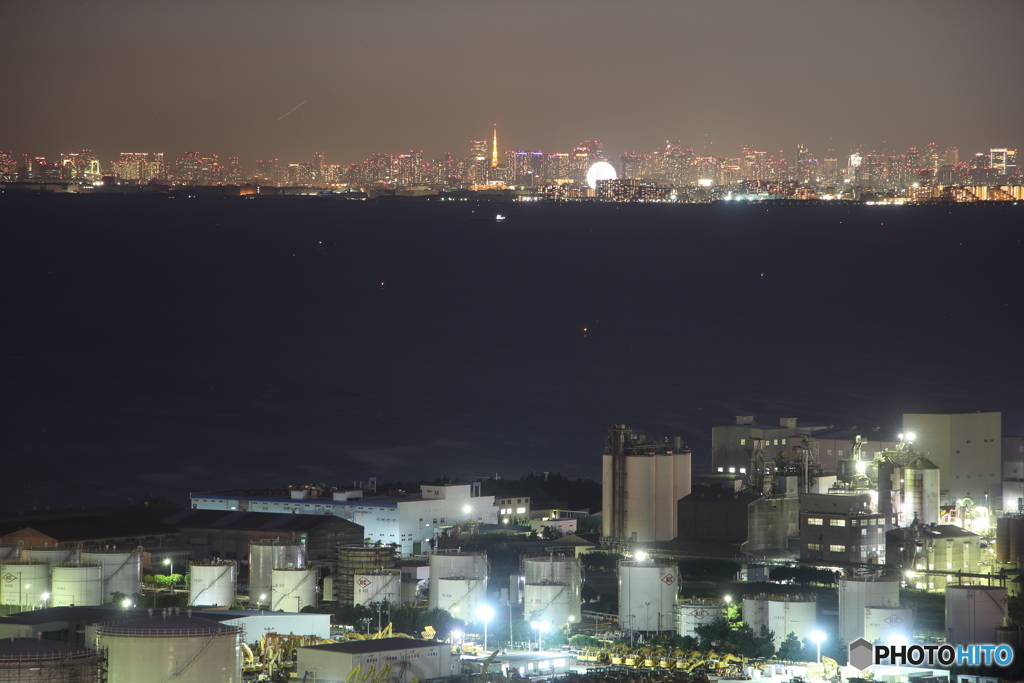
8 166
1003 161
951 156
478 163
525 169
494 148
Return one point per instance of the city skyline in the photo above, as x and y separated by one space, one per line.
265 80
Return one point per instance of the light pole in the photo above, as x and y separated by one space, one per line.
541 627
632 627
647 619
818 637
169 563
485 612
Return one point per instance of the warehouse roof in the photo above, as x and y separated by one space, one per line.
251 521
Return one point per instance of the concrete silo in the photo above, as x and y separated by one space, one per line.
921 492
552 589
171 647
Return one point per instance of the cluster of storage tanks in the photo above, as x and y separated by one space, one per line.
280 577
61 577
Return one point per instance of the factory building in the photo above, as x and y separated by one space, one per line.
1013 474
755 524
935 555
642 482
409 521
405 659
841 527
731 444
967 448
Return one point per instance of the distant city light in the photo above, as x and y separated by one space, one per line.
602 170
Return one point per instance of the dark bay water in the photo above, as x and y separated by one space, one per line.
162 346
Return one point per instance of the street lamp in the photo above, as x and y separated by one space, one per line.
485 612
459 636
818 637
541 627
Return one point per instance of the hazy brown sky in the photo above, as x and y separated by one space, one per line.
217 76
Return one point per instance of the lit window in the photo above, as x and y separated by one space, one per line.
817 521
520 511
743 442
732 470
721 469
814 546
783 442
743 470
837 548
837 522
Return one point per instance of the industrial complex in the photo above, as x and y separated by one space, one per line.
826 536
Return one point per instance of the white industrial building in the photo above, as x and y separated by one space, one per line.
641 484
731 444
967 448
255 623
408 521
419 660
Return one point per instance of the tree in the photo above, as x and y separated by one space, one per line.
791 649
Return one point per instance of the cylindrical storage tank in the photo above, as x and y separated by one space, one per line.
792 614
354 560
921 479
459 566
292 589
551 589
461 597
755 611
881 623
694 612
973 613
855 594
170 647
647 595
52 556
77 584
1010 635
1016 531
24 583
212 583
1003 540
263 559
122 570
31 660
384 585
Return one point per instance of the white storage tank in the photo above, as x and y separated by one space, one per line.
122 570
551 589
24 583
973 613
921 492
292 589
647 595
458 582
50 555
694 612
265 558
77 584
881 623
170 646
461 597
855 594
212 583
383 585
31 660
782 614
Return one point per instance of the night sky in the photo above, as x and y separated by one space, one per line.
217 77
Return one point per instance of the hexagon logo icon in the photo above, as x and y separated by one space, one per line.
862 654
